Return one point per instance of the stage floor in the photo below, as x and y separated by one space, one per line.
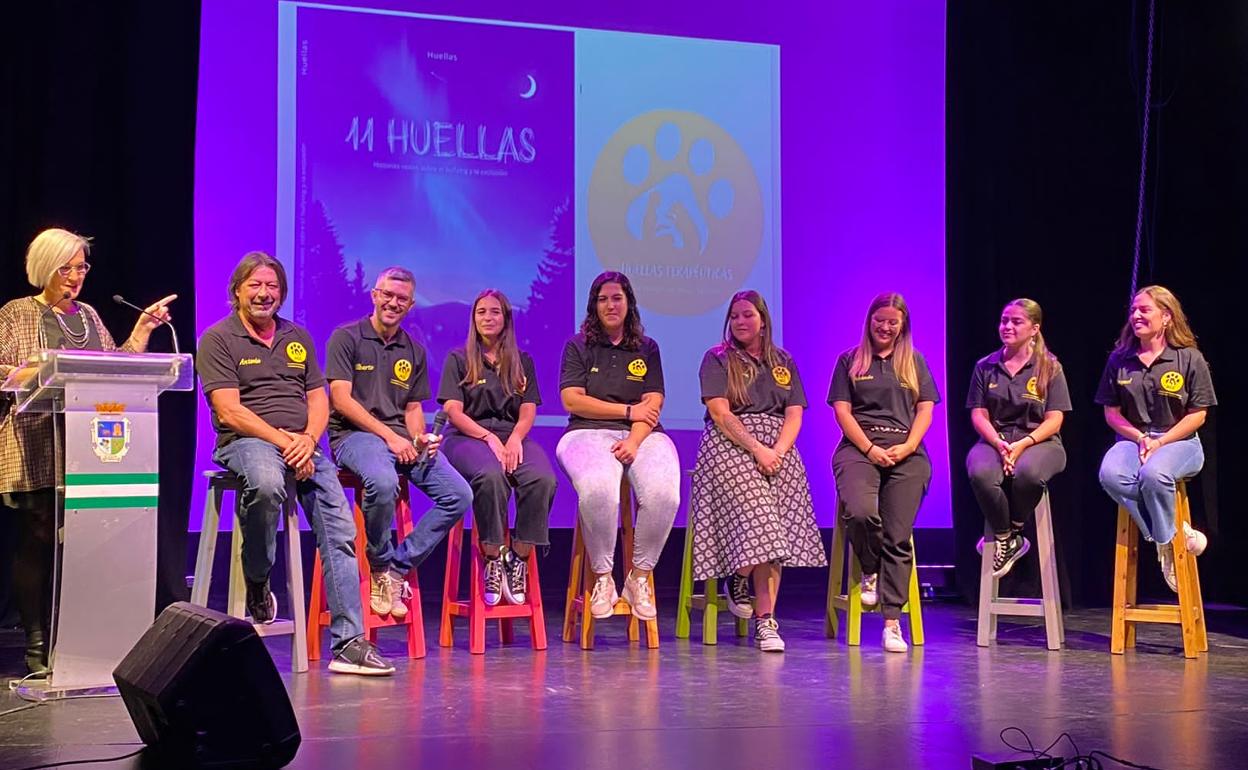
685 705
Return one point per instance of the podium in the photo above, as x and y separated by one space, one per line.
104 591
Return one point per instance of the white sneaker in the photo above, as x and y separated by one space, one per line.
602 600
492 581
1197 542
893 640
870 589
1165 555
767 635
639 596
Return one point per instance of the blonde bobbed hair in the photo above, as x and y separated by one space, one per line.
51 249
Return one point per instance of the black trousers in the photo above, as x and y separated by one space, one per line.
878 506
1005 499
534 482
35 514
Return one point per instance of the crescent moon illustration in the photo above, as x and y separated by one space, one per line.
532 88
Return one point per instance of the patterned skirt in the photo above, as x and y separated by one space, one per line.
741 517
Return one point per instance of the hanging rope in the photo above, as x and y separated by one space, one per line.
1148 104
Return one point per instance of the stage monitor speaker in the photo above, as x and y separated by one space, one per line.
203 692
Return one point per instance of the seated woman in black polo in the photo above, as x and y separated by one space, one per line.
489 391
1156 390
750 499
1017 398
611 381
883 395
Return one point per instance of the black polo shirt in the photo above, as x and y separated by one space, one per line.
485 401
1014 405
1154 398
610 373
272 381
385 376
770 390
877 398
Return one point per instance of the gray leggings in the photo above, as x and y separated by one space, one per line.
655 478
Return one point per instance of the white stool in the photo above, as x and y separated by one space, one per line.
1049 606
220 482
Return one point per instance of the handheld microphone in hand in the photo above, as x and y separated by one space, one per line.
439 427
120 300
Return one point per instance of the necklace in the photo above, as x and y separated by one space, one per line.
76 339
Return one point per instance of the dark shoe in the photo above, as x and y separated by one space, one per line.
360 657
1007 552
261 603
493 580
36 654
737 586
516 578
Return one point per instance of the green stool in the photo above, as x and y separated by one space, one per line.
850 601
710 602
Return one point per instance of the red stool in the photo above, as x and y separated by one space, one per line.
474 607
318 616
581 576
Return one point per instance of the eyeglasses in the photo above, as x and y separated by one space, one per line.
68 270
389 296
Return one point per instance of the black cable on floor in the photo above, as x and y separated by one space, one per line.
134 753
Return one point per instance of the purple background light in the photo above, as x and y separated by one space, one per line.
862 178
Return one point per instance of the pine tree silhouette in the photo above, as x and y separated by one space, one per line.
548 315
326 295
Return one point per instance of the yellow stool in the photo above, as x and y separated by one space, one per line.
1049 606
850 601
220 482
1189 613
710 602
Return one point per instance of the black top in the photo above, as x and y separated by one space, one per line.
1014 407
770 391
485 401
272 381
77 323
1154 398
877 398
610 373
385 376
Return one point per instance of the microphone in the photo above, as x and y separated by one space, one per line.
120 300
439 427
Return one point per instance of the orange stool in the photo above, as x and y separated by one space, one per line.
318 616
582 577
1188 614
474 607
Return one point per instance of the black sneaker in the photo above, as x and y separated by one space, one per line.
360 657
1007 552
516 579
261 603
493 580
738 588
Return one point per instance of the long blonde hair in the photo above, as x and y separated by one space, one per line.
903 347
741 368
1047 365
506 352
1178 331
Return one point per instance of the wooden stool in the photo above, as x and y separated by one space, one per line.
318 615
1049 606
220 482
850 602
474 607
710 602
1189 613
582 576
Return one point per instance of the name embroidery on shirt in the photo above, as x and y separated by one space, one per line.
248 361
364 367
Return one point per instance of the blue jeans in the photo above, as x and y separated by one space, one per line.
1147 491
262 470
367 456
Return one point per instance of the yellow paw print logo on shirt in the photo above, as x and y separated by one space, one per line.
782 376
1172 382
402 369
637 367
1031 387
296 352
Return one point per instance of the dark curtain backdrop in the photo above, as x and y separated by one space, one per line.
97 135
1045 103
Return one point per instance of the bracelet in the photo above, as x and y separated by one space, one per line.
628 412
1033 439
867 451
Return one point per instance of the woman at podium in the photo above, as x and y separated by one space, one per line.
56 265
